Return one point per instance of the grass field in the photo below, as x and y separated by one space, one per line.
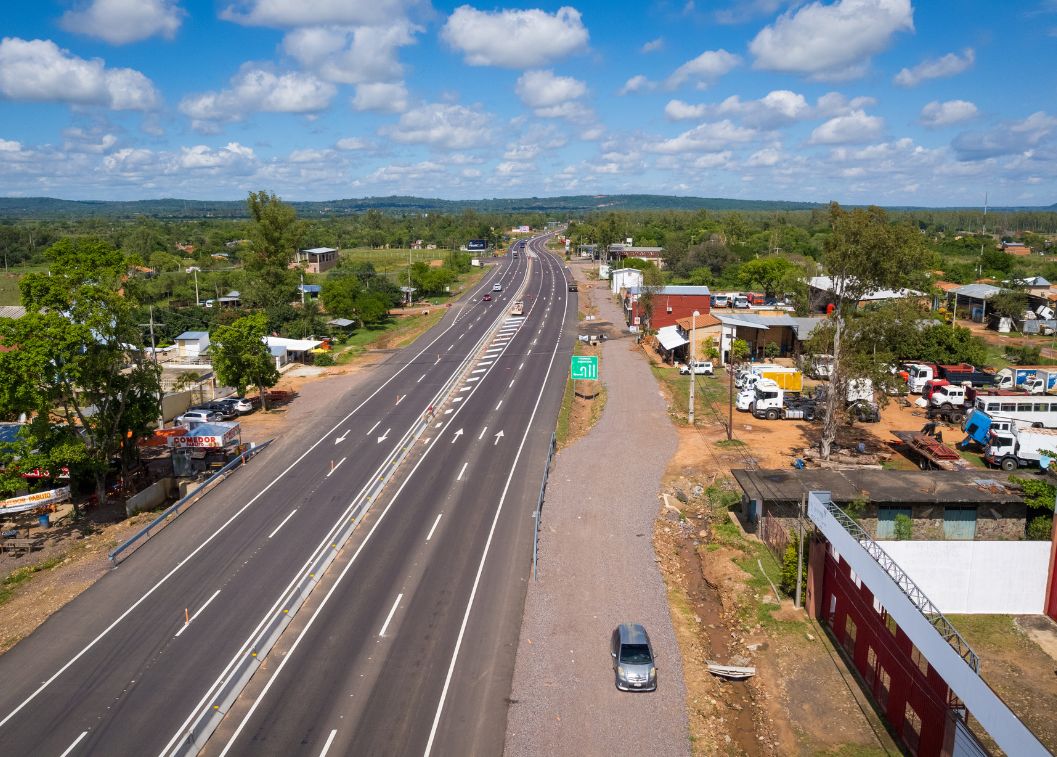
392 260
9 282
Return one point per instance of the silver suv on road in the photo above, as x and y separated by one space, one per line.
633 660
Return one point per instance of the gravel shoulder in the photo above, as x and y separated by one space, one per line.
598 569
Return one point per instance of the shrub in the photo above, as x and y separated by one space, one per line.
323 359
1040 528
787 582
904 527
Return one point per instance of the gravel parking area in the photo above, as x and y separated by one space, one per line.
598 569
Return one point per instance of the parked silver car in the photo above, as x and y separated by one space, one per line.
198 416
633 661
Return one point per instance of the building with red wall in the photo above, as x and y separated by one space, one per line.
670 304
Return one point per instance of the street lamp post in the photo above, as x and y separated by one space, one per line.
693 367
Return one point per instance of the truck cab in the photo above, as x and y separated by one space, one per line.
918 375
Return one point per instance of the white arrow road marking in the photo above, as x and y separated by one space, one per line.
498 436
455 438
459 477
392 612
384 436
482 433
331 471
199 612
430 534
376 425
342 438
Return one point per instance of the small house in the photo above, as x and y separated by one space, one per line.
670 303
624 278
192 345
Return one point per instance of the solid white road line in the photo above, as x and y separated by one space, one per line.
75 743
484 554
199 612
459 477
376 425
437 521
330 740
288 517
333 469
392 612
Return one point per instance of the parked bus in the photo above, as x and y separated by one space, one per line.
1023 408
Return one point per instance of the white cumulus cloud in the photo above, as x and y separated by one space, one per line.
677 110
778 108
542 89
38 70
949 65
257 90
381 96
203 157
705 68
833 41
938 114
707 137
289 14
454 127
122 21
514 38
856 127
637 83
352 55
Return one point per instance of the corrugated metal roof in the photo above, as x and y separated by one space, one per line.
12 311
977 291
195 335
699 290
669 337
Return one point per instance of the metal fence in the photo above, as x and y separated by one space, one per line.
774 534
539 504
177 507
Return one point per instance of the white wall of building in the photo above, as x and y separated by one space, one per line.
624 278
977 577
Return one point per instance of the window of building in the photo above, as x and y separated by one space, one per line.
877 606
890 624
871 667
886 520
959 522
832 608
855 578
919 660
882 687
911 729
849 635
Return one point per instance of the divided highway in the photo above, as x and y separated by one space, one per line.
407 644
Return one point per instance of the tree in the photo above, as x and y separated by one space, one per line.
652 282
1009 303
637 263
274 237
79 360
769 274
863 254
241 357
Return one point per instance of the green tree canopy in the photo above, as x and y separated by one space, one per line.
274 238
241 357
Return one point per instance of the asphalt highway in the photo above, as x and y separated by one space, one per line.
120 671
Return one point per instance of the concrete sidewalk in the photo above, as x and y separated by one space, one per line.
597 569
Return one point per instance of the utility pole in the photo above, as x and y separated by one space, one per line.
730 398
799 549
693 364
302 290
157 368
198 301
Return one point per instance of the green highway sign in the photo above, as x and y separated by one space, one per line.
584 368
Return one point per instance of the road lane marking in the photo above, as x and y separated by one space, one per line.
76 741
499 405
484 554
449 411
330 740
400 399
482 433
466 389
333 468
456 436
498 436
522 365
376 425
479 370
486 362
342 438
420 378
199 612
459 477
288 517
385 436
458 399
437 521
392 612
472 379
510 384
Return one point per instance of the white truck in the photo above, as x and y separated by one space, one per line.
772 402
1042 382
1019 447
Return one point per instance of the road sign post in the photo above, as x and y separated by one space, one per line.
583 368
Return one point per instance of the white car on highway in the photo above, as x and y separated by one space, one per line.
497 287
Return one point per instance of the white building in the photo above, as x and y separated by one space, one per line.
624 278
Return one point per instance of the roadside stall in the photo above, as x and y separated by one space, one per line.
207 446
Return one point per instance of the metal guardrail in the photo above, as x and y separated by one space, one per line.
176 508
539 504
907 586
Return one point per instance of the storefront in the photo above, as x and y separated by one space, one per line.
208 445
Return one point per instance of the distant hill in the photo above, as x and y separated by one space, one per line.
49 207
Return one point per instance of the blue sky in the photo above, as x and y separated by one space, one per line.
862 101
